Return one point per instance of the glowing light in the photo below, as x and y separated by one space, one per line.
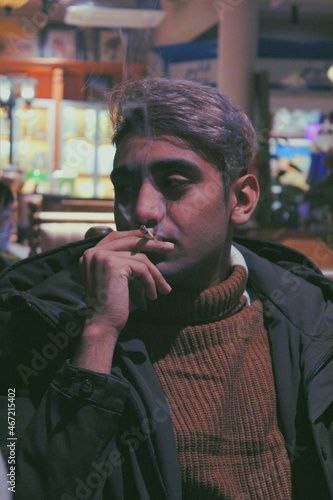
330 73
28 89
6 90
91 13
12 4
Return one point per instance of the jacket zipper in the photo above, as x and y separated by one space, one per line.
317 369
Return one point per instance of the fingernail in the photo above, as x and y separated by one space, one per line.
167 289
168 244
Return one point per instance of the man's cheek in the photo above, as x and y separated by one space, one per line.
207 192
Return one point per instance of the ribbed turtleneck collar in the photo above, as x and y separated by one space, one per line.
190 307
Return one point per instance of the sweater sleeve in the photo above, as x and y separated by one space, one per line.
62 451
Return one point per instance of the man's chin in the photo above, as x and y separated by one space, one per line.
172 273
163 264
172 270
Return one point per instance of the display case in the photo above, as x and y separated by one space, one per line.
33 141
291 144
66 148
296 165
86 153
291 159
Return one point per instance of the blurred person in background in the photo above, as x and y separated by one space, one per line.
6 215
6 223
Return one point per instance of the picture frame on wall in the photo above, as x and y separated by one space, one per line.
111 46
96 87
12 45
60 41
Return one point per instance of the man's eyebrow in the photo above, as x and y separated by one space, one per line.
162 165
156 167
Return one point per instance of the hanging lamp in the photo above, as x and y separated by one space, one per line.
100 14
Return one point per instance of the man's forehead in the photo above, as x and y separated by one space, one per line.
140 151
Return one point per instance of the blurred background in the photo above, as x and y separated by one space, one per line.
273 58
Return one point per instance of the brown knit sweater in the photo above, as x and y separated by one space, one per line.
211 355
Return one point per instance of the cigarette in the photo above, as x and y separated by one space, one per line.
146 233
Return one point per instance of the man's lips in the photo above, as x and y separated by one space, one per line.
156 258
165 238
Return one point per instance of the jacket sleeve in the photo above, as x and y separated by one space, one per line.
62 450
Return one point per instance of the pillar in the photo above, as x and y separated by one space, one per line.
237 48
57 93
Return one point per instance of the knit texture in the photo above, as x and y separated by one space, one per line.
211 355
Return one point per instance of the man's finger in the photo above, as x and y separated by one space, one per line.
138 243
116 235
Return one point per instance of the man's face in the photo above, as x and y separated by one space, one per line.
170 188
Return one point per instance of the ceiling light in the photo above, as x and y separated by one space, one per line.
94 14
6 90
330 73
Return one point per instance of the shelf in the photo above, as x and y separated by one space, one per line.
287 135
22 65
65 78
94 217
31 138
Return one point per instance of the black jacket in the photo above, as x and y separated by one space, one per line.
81 433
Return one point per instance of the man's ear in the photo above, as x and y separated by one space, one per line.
243 199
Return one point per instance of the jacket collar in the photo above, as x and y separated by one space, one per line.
49 285
299 323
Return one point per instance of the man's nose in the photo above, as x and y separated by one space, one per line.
149 205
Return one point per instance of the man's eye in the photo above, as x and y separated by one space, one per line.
175 182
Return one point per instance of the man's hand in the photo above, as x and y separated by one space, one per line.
107 270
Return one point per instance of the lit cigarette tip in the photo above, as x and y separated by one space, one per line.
146 233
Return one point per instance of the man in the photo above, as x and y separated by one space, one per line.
6 222
188 367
